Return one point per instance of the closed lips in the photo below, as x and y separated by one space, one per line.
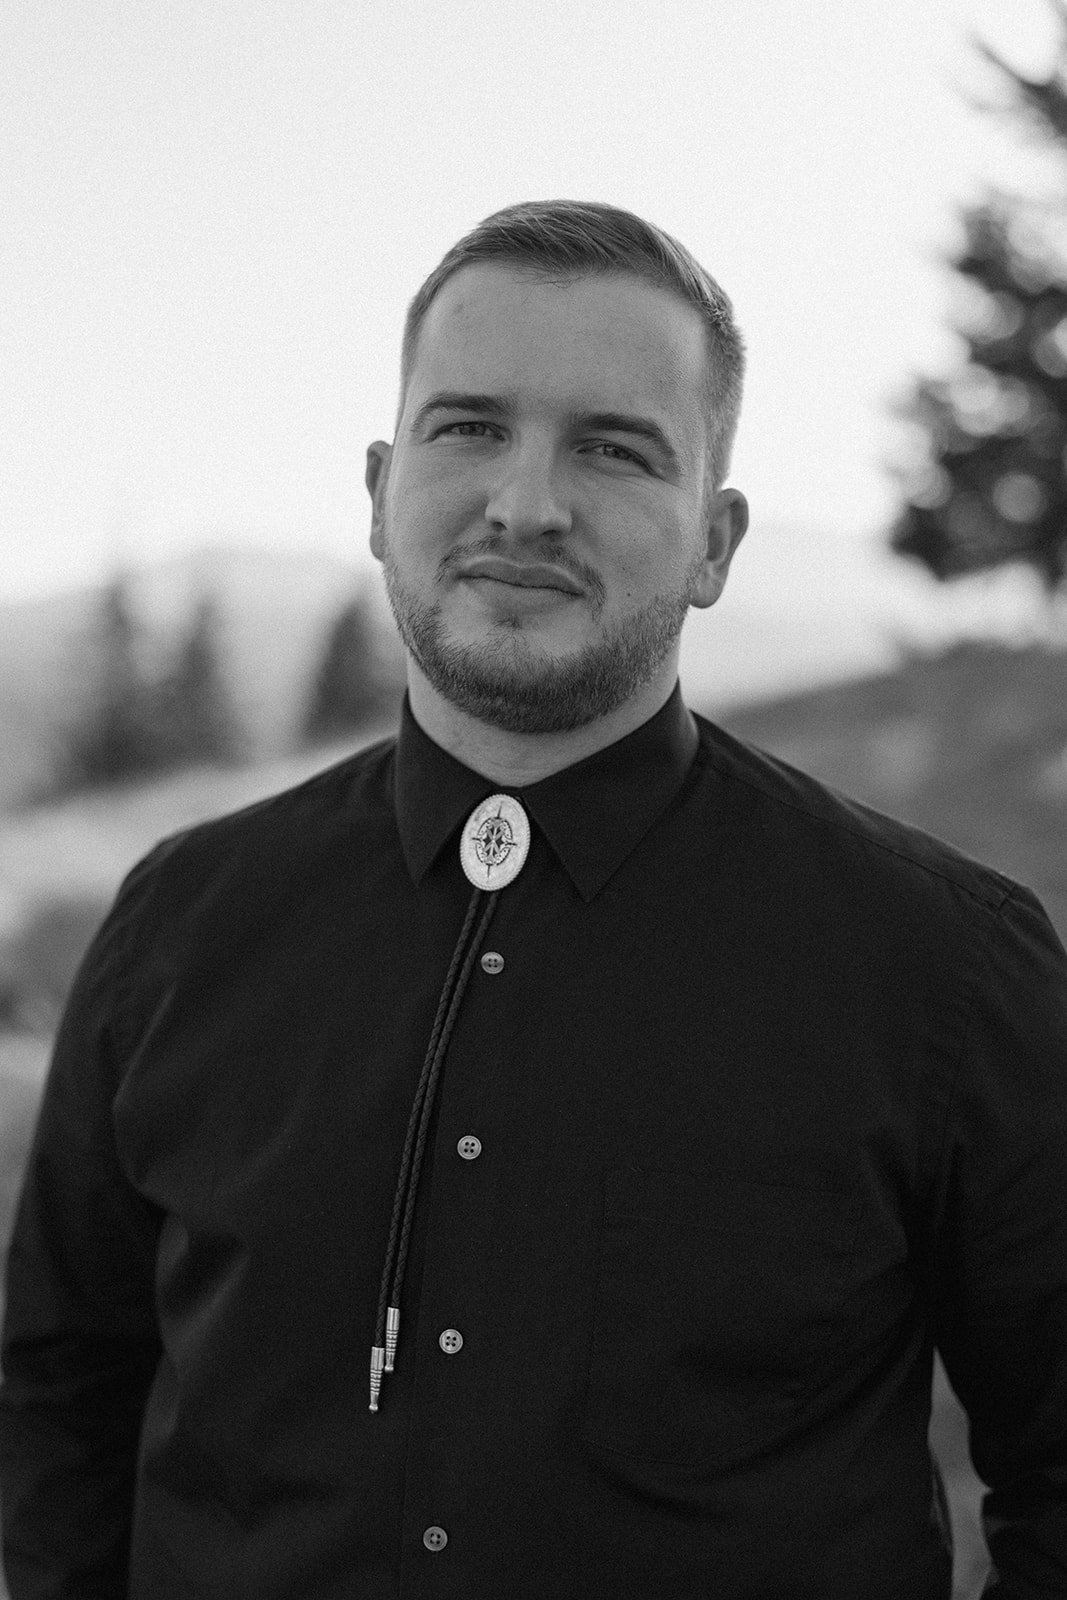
522 576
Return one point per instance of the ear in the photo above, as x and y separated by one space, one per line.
725 521
376 477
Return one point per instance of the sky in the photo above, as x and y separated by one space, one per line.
216 211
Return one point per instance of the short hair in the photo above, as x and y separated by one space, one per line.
583 238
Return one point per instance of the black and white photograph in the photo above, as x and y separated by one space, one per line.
533 800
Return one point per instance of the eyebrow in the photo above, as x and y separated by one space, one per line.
481 405
623 422
484 405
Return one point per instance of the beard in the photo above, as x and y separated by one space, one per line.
510 683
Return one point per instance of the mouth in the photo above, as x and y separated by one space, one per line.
519 575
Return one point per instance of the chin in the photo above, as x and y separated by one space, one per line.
511 686
506 678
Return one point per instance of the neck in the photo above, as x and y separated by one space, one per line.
516 759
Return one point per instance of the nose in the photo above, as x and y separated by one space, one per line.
529 498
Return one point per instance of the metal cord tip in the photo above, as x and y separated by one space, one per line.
392 1333
377 1357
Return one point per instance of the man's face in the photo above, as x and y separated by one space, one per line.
544 516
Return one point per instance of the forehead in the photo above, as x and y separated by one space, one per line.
602 342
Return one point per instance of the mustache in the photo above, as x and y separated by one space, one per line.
493 545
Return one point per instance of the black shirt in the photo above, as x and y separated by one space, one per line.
768 1096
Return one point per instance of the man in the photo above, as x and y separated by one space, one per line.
538 1156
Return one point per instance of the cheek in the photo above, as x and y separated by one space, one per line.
423 502
651 562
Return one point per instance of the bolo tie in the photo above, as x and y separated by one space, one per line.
493 848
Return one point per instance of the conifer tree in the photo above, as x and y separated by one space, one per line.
114 734
345 689
990 487
195 712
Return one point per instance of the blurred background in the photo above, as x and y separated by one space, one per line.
215 214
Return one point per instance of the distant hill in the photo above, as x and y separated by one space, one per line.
969 744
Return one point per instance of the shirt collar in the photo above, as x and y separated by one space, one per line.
593 814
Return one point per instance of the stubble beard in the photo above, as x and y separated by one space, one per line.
510 683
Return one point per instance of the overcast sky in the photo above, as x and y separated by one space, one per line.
215 212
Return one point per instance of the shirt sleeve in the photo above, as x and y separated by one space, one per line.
80 1343
999 1270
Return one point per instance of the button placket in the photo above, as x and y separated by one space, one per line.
451 1340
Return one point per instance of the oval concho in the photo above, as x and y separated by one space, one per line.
496 838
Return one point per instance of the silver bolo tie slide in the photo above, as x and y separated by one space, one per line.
492 851
495 842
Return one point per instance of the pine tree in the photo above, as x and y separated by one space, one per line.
991 485
115 734
195 712
345 689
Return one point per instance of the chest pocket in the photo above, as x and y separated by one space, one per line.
716 1303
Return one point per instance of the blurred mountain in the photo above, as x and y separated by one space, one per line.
274 611
969 744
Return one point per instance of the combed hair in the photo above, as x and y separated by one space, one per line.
581 238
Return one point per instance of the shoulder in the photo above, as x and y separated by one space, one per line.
274 838
216 885
793 814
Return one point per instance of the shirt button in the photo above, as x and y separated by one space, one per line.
435 1538
492 962
469 1147
451 1341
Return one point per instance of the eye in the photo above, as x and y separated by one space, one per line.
469 429
619 452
